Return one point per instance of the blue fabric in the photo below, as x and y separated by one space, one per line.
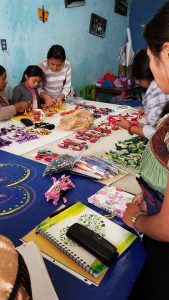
132 103
120 278
107 84
22 188
153 198
116 285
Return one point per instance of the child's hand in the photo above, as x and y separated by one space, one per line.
22 106
124 123
141 113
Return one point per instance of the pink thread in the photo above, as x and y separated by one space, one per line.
59 185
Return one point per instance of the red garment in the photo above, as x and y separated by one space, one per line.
108 76
3 103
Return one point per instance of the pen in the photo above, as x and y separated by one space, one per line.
60 209
48 223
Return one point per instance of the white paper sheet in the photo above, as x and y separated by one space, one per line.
42 288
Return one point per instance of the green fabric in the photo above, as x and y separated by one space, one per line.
88 92
151 170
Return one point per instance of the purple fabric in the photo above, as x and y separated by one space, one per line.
152 197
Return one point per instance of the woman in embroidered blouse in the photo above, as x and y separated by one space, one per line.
149 212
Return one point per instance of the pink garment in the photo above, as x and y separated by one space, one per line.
3 100
35 101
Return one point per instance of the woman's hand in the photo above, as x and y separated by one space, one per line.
139 201
124 123
131 211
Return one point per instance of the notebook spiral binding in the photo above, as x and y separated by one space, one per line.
67 251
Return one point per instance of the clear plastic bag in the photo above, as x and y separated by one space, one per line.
64 162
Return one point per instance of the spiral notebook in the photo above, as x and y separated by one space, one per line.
111 199
54 229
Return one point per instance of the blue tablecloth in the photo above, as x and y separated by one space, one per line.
23 206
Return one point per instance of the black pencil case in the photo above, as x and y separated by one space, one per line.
27 122
93 242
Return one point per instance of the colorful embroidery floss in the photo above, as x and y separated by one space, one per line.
58 188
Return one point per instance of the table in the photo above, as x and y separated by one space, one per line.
133 90
50 141
120 278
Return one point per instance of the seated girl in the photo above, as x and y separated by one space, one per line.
7 111
27 89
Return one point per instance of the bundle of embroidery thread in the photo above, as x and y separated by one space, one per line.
46 155
58 188
128 153
15 133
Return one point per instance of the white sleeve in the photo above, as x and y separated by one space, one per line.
148 131
41 85
154 115
67 85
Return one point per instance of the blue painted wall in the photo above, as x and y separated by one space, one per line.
141 12
28 39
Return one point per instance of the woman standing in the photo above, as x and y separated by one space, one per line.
149 212
57 71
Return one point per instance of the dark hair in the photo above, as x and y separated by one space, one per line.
2 70
32 71
57 52
140 68
165 110
156 32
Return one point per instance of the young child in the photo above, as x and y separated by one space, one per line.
27 89
154 99
57 72
6 110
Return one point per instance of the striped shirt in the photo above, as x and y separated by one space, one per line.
154 101
56 82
